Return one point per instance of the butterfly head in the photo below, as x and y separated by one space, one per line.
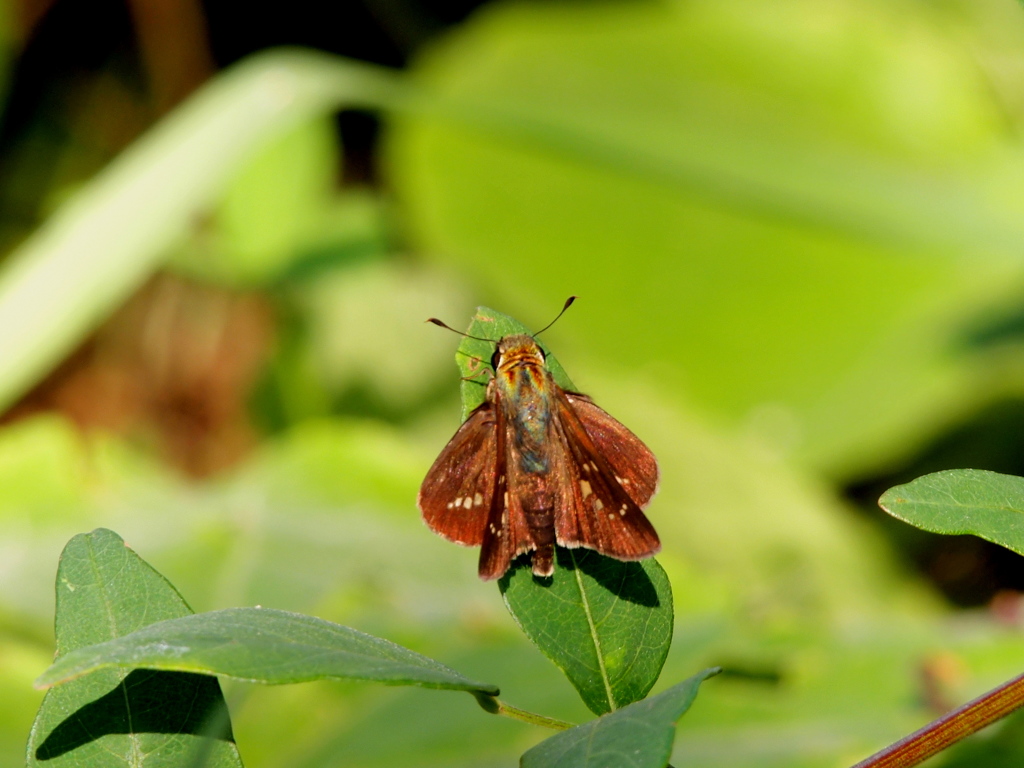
517 351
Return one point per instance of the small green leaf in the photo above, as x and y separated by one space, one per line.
638 736
475 355
117 718
957 501
264 646
605 623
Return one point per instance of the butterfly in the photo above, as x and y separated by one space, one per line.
536 465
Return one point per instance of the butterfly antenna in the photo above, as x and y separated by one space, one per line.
435 321
568 303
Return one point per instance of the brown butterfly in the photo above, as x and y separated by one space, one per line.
536 465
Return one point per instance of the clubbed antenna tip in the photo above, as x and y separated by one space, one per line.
568 303
435 321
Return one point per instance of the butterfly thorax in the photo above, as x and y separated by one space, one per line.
525 393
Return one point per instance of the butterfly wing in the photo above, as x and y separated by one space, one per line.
458 493
499 543
634 465
610 475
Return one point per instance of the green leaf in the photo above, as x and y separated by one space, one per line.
116 717
638 736
262 645
956 501
605 623
474 354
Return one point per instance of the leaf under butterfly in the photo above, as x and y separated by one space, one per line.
605 623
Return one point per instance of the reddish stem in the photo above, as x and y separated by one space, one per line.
950 728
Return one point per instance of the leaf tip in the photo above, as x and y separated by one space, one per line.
43 683
487 701
890 499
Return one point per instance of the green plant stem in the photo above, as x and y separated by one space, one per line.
496 706
950 728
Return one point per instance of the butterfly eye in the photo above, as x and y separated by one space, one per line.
495 358
543 354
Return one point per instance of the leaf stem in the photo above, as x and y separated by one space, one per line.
496 706
950 728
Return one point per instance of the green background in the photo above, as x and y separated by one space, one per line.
785 223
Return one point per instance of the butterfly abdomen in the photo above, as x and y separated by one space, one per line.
538 504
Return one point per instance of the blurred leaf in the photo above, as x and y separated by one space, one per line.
262 645
473 353
271 208
104 591
605 623
356 313
740 196
103 243
957 501
272 204
42 470
639 735
340 462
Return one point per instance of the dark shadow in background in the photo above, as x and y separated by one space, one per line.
967 570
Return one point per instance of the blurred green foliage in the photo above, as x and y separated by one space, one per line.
783 220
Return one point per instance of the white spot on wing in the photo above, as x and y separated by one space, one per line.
478 500
598 505
467 503
456 503
585 488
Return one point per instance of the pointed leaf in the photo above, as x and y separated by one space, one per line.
265 646
605 623
117 718
474 354
956 501
637 736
